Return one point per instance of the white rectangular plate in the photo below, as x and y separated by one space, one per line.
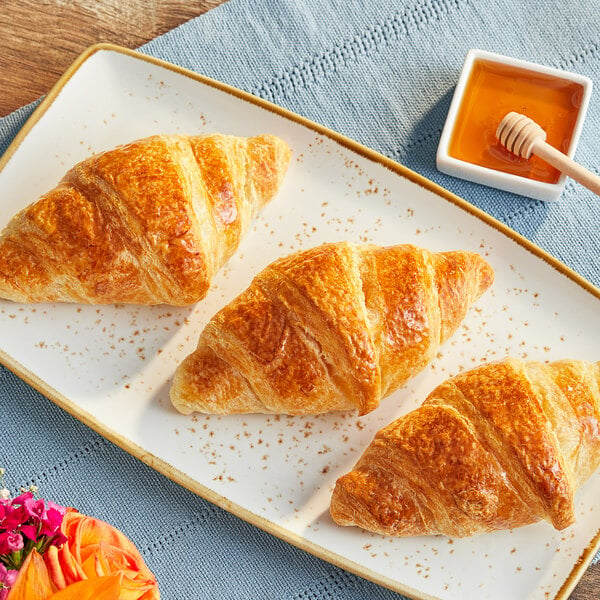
111 366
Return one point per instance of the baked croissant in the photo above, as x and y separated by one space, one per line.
497 447
149 222
336 327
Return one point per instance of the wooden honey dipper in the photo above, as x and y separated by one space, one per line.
523 136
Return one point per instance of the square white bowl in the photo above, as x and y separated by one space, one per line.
525 186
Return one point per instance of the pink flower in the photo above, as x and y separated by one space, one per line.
29 531
7 576
19 500
26 524
53 519
14 517
62 510
7 579
10 542
36 509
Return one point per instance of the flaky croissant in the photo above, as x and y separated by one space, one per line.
497 447
332 328
149 222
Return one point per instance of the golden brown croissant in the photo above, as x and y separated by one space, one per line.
497 447
335 327
149 222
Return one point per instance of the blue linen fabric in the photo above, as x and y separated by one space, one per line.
378 71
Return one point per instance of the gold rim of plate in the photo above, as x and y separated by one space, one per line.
178 476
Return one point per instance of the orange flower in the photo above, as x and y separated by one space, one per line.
33 580
97 561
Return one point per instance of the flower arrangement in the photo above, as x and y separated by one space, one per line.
50 552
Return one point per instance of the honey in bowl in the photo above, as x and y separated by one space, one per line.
495 89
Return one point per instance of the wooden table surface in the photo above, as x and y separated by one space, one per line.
40 38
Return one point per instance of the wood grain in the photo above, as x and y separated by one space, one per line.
40 38
588 587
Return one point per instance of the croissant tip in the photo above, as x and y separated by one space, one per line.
486 274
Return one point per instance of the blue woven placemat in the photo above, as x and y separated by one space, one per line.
381 72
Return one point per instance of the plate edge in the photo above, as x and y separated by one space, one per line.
46 103
174 474
341 139
179 477
369 153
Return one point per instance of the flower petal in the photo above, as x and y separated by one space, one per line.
94 551
29 531
103 588
151 594
54 568
64 561
33 580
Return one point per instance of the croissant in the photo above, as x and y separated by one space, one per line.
503 445
336 327
149 222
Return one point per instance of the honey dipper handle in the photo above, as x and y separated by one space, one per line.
568 166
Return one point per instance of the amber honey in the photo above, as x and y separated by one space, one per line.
495 89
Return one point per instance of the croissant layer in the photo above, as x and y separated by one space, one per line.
149 222
497 447
335 327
